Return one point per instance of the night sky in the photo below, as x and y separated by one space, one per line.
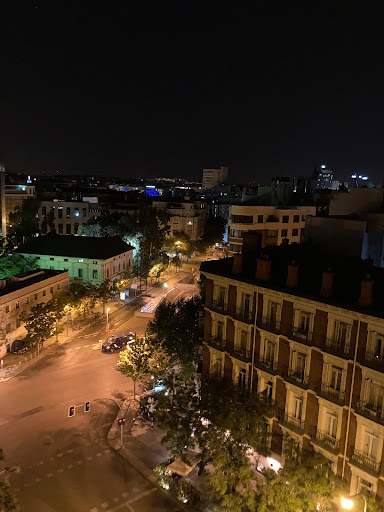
139 88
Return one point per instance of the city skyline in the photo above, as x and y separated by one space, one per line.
146 91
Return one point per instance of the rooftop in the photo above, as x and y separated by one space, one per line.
76 246
311 263
27 279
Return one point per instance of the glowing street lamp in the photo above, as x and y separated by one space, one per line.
348 503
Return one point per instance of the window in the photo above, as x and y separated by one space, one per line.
76 227
220 331
51 268
114 269
52 210
58 287
300 365
285 219
119 267
296 218
94 262
60 212
221 296
297 407
330 424
364 486
284 233
76 213
246 304
94 274
217 366
295 232
336 376
52 259
65 259
61 230
8 328
260 219
51 289
269 351
273 312
68 229
7 309
44 293
17 305
341 332
84 213
242 219
27 300
80 272
371 443
236 233
268 390
376 397
35 296
243 339
242 378
272 232
304 322
68 212
378 346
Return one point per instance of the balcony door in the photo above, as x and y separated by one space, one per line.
246 304
341 333
273 312
297 407
371 443
336 376
221 296
304 322
269 351
378 346
220 331
331 424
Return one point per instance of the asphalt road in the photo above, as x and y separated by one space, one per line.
64 464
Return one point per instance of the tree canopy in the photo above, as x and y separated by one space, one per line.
13 264
7 498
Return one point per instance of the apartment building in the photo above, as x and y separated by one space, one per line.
93 259
65 217
21 292
312 340
186 216
212 177
275 224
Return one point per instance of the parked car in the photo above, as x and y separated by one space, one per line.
20 346
118 342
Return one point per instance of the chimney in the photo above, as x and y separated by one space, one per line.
293 276
365 299
237 265
326 289
263 269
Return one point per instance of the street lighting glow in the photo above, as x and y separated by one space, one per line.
346 503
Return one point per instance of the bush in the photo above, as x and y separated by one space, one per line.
179 488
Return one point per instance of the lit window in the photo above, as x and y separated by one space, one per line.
81 261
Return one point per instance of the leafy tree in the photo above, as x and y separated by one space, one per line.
81 296
39 322
23 223
55 306
177 262
304 483
175 328
134 361
103 292
7 498
13 264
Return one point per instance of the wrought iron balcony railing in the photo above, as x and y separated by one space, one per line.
268 364
303 335
296 424
332 394
325 440
337 347
217 343
365 462
244 315
297 377
374 360
370 410
269 324
220 306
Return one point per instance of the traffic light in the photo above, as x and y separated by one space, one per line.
71 411
87 406
121 421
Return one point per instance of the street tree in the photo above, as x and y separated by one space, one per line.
175 328
7 498
39 323
134 361
306 482
13 264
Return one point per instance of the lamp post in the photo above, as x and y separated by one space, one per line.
108 310
165 285
348 503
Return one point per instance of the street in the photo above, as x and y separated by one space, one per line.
64 464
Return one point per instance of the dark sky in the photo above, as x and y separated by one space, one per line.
167 88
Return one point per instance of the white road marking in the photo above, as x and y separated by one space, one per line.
69 451
94 509
49 475
37 479
104 505
85 346
80 462
98 454
59 454
116 499
70 466
107 450
125 495
77 348
89 458
61 470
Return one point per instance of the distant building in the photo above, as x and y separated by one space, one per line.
212 177
310 339
15 195
65 217
359 180
186 216
282 190
323 176
93 259
21 292
276 225
357 201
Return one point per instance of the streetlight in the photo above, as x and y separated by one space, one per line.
108 310
348 503
165 285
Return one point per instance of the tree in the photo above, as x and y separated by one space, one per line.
23 223
103 293
175 328
176 261
305 482
55 306
13 264
134 361
39 323
7 498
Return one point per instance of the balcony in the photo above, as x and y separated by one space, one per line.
269 365
325 440
242 353
302 335
337 347
219 306
297 377
291 422
373 360
244 315
365 462
371 411
269 324
217 343
329 393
